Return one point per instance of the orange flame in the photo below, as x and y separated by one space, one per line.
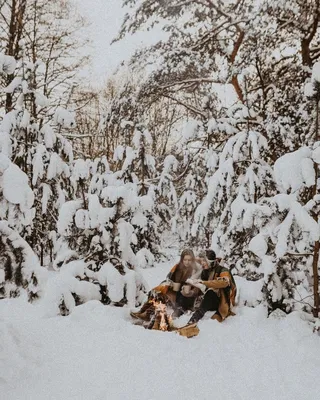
161 309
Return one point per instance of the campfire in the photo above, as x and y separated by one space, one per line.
160 320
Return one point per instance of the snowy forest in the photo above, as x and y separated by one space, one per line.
208 138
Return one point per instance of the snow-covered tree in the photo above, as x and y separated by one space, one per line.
37 146
19 266
167 204
200 38
262 51
139 167
203 138
288 242
49 35
230 208
20 269
287 237
95 228
122 104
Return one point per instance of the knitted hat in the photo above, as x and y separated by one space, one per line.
211 255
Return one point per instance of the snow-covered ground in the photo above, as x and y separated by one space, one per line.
97 354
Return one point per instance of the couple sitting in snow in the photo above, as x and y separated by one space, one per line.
186 282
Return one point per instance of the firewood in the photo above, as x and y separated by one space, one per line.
189 331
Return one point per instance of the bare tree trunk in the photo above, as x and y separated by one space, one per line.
316 278
10 52
306 41
16 26
315 261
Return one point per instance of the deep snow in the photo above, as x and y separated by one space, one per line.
97 354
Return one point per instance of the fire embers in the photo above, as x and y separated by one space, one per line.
160 320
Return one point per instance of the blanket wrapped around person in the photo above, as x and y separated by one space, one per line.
218 287
174 292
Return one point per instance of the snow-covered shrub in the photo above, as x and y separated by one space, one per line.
69 288
96 230
138 167
31 138
232 207
286 239
19 266
202 141
16 196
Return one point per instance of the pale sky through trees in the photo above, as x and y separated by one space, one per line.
106 17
